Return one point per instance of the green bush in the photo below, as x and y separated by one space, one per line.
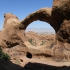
43 42
31 41
4 56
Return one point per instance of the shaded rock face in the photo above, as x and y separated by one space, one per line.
64 32
60 11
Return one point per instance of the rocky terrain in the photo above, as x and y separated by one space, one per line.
34 55
36 47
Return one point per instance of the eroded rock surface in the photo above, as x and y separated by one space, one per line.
13 33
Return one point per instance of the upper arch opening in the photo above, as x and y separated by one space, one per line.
40 27
39 34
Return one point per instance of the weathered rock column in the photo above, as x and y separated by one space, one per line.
11 35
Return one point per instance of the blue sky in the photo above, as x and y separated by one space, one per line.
21 8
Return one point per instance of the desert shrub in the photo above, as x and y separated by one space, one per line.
43 42
30 41
4 56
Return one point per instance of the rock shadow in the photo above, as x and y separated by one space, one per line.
4 65
39 66
7 65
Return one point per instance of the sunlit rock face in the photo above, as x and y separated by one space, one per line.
11 35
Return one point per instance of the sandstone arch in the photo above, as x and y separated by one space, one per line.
43 14
55 16
58 17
